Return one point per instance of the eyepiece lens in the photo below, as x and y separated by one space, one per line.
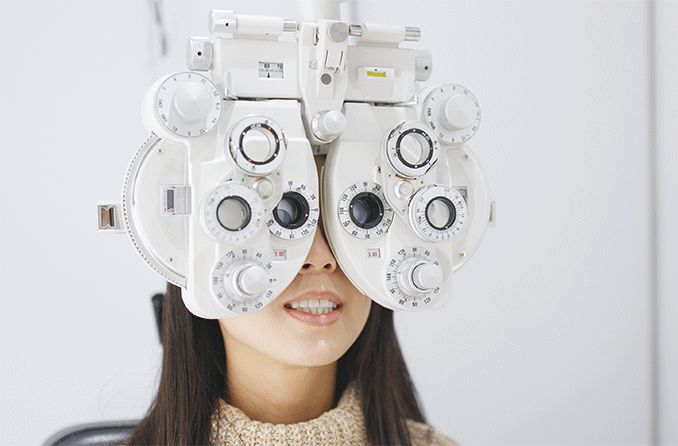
234 213
412 149
441 213
258 145
366 210
292 211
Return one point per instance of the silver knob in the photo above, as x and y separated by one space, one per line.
327 125
418 276
427 276
248 281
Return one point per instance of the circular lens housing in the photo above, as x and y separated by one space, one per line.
411 149
437 212
292 211
441 213
234 213
297 212
363 210
257 145
414 148
366 210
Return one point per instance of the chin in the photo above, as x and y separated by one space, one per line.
313 352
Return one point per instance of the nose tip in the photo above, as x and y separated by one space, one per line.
327 267
320 258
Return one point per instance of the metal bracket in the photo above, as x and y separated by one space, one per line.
109 217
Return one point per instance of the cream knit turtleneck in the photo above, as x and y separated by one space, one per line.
343 425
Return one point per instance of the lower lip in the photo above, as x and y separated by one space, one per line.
318 320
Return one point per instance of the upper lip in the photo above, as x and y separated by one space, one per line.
317 295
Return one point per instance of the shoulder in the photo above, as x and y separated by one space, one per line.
423 434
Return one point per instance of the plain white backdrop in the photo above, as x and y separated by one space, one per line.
550 336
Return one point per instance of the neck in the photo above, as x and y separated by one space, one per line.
273 392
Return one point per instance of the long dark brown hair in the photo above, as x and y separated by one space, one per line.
193 377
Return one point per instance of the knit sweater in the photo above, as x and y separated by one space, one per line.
343 425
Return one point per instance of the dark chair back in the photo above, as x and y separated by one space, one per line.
93 434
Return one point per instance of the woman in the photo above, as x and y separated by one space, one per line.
280 376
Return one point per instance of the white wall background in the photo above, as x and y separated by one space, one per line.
548 339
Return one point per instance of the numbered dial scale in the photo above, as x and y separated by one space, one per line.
363 210
242 280
453 112
233 213
437 213
413 278
296 214
188 104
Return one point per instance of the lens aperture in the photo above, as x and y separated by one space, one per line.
234 213
441 213
292 211
366 210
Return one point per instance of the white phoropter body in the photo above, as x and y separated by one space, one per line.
223 200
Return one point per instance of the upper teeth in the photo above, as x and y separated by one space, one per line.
314 306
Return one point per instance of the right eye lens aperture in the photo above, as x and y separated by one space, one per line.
292 211
366 210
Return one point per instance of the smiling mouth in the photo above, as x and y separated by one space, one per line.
314 306
315 312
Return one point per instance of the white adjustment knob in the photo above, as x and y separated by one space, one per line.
192 102
453 111
252 280
187 104
327 125
459 112
427 276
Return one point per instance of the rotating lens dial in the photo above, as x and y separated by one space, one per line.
188 104
257 145
242 280
233 213
453 112
437 213
412 149
296 214
363 210
413 278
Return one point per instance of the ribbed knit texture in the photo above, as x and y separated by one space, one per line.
343 425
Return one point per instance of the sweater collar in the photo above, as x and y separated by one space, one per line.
343 424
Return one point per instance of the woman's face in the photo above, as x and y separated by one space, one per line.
275 332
